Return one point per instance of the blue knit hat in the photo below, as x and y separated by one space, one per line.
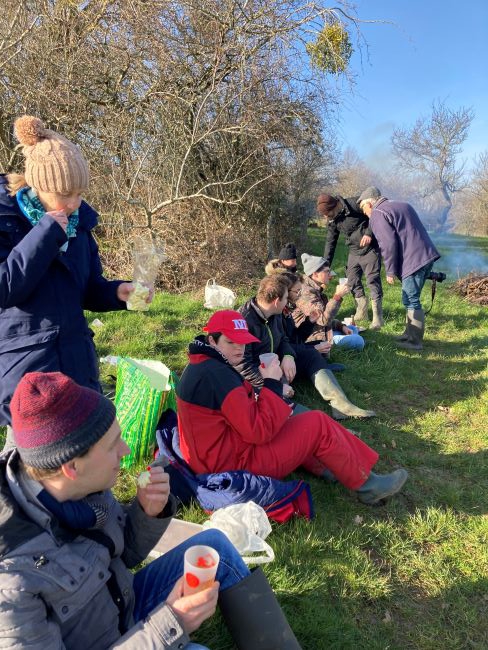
54 419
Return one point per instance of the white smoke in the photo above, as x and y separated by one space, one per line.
459 257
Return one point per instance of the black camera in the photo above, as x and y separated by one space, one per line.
437 276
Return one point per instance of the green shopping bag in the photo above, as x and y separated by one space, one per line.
144 389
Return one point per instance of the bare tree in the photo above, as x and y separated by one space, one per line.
191 112
430 149
471 208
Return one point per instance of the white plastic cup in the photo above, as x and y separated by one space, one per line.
200 568
347 321
266 358
342 281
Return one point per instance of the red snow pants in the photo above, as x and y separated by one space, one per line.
316 442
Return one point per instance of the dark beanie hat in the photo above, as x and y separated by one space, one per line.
288 252
54 419
326 203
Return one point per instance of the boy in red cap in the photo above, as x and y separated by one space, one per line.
224 426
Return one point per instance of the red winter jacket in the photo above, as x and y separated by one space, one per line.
220 420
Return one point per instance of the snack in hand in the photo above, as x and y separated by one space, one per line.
137 299
144 479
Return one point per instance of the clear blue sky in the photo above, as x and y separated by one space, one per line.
436 49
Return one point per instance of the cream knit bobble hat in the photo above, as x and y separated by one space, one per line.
52 162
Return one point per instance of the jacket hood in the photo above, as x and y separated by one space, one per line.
15 526
200 347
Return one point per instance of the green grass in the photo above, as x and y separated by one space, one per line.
411 574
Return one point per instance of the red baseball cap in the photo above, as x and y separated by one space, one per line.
232 324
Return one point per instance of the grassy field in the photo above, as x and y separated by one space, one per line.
413 573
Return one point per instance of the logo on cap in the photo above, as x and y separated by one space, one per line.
240 324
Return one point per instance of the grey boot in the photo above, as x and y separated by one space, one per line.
377 314
330 390
254 616
361 309
404 336
380 486
416 328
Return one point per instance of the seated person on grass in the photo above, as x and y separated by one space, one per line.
286 260
67 545
265 320
314 314
223 426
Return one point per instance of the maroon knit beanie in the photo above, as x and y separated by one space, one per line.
326 203
54 419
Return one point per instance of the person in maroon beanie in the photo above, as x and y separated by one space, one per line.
67 546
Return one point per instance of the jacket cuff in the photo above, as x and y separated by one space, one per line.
167 624
274 385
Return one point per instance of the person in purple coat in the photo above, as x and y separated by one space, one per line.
50 270
408 254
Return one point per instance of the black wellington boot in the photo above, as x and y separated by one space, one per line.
254 616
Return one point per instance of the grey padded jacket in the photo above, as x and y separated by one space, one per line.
54 583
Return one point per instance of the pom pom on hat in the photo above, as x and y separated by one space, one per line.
29 130
52 162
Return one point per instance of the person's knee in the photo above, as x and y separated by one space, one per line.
355 342
214 538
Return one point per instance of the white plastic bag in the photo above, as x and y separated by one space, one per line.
247 526
218 297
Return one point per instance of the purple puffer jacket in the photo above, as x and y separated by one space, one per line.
405 245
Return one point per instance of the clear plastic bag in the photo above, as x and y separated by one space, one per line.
147 258
247 526
218 297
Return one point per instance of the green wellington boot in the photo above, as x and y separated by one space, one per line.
380 486
416 329
361 309
330 390
378 322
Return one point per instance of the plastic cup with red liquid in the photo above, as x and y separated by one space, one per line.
200 568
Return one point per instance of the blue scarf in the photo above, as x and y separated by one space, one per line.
77 515
33 210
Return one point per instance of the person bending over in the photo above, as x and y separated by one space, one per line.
408 254
344 216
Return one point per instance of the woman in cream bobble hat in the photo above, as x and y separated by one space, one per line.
50 270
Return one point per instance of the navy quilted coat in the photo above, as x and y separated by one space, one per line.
43 293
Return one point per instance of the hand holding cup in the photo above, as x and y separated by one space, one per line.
269 366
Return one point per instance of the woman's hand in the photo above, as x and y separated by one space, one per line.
323 347
154 497
289 368
288 391
193 610
341 290
126 288
60 217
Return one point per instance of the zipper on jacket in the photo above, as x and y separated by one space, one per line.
270 335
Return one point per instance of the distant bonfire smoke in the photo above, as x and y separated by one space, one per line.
460 257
